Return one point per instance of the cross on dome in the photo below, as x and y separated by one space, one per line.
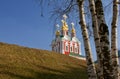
57 26
72 25
65 17
62 21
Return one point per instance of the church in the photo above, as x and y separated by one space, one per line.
65 41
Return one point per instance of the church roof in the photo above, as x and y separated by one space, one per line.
66 37
75 39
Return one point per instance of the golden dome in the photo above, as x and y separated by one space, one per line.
64 26
73 29
57 33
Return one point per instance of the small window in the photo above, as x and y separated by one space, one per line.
66 48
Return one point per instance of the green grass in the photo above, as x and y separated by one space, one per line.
17 62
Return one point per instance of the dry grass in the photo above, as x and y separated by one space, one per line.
18 62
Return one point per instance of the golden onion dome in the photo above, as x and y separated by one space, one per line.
57 33
64 26
73 30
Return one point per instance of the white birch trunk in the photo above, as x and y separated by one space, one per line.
91 68
96 39
104 41
114 51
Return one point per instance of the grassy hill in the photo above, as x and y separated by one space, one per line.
17 62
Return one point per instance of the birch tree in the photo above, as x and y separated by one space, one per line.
114 50
91 68
104 41
96 39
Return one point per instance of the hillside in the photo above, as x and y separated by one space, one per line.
17 62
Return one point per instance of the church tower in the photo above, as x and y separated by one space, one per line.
65 42
64 28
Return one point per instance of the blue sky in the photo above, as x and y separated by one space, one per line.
21 24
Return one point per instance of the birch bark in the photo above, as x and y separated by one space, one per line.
91 68
104 41
96 39
114 51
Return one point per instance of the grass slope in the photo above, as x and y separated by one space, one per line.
17 62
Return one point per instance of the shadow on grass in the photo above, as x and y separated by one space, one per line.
73 73
14 75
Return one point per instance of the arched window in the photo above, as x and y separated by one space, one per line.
76 50
66 46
